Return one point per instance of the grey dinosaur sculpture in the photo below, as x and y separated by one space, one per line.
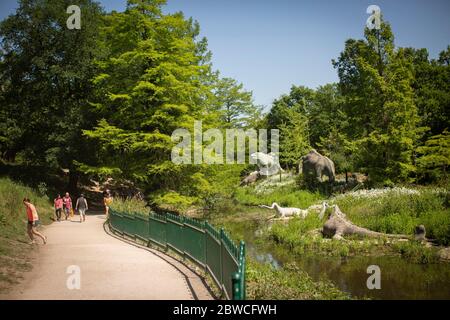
251 178
337 226
316 165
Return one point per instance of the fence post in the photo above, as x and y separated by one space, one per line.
236 281
205 223
149 243
135 222
165 232
182 220
242 269
222 236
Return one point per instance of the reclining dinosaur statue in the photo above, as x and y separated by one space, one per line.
337 226
284 213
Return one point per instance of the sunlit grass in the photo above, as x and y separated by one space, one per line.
12 211
401 213
286 196
14 250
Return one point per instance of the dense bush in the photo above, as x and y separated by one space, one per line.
130 205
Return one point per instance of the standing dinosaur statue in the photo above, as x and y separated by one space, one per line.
267 162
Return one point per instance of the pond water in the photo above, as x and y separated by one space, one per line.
400 279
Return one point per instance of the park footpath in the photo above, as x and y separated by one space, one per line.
81 261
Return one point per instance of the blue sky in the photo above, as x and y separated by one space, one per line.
269 45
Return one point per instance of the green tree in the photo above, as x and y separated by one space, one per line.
289 114
154 79
300 100
234 104
294 139
431 89
325 114
340 149
444 57
434 157
45 70
376 80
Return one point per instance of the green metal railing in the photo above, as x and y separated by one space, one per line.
199 241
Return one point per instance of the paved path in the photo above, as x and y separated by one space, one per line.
110 268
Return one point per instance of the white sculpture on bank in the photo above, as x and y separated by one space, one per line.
267 162
284 213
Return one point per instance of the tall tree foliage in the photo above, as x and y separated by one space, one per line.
290 114
312 118
45 70
294 139
434 157
299 99
153 80
431 88
234 104
376 80
325 114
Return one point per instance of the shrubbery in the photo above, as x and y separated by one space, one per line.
130 205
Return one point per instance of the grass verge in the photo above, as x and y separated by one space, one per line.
14 247
288 283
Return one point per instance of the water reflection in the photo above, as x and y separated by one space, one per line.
400 279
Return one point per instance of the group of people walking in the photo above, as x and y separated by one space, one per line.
61 205
64 204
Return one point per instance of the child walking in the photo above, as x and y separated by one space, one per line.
33 222
58 207
67 201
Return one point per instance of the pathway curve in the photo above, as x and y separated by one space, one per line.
109 268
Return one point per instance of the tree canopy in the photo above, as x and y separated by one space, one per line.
45 72
104 100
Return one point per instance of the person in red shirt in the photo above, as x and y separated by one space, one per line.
67 201
58 206
33 221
